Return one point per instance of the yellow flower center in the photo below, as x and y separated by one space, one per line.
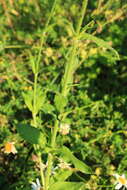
122 180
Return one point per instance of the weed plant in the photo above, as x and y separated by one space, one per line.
63 95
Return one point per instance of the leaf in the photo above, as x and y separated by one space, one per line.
69 157
28 98
40 99
31 134
61 175
32 62
88 26
60 102
99 42
71 66
67 186
48 108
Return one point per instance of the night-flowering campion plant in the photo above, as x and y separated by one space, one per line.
46 141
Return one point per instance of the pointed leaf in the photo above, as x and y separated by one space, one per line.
31 134
28 98
61 175
99 42
60 102
67 186
69 157
40 99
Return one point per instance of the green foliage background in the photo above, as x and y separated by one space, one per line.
97 102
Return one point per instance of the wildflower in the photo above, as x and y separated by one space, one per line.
49 52
121 181
10 148
64 128
98 171
37 185
64 165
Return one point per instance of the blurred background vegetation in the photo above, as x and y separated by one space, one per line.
98 98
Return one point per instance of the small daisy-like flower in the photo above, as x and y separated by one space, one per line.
64 128
121 181
36 186
10 148
64 165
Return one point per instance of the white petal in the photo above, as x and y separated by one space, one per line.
34 186
118 186
38 182
116 175
123 175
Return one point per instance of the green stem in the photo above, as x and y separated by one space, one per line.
35 122
68 72
34 114
68 76
51 13
41 170
43 37
34 99
50 156
99 4
84 5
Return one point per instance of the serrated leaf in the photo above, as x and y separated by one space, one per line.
67 186
28 98
67 155
60 102
40 99
48 108
31 134
99 42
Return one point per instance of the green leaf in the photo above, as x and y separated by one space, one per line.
67 186
67 155
28 98
99 42
48 108
60 102
32 62
31 134
61 175
40 99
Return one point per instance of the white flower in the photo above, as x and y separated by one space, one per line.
37 185
64 128
63 165
121 181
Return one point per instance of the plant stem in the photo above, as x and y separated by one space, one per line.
84 5
99 4
34 99
41 170
50 156
43 37
68 75
35 122
45 182
64 92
